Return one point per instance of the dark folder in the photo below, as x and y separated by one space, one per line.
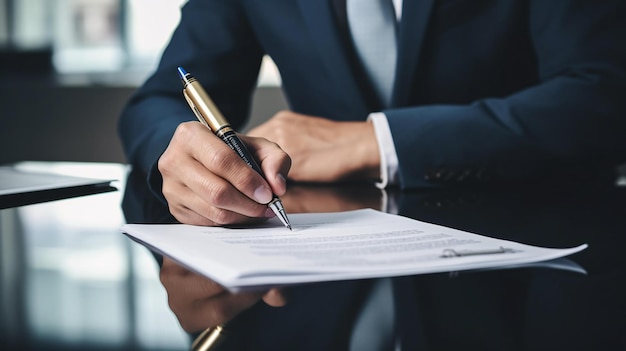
20 187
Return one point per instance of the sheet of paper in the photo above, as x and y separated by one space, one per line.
329 246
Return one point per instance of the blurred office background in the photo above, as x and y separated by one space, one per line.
68 278
68 66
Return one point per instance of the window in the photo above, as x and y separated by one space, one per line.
109 35
98 36
91 35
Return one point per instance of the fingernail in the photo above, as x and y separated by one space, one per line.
269 213
262 195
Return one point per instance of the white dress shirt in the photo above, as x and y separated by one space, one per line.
386 147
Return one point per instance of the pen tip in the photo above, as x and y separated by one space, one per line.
289 226
181 72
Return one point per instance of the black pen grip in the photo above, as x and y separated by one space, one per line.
232 140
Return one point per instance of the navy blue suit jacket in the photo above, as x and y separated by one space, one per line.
485 89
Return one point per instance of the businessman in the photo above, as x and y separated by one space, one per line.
468 92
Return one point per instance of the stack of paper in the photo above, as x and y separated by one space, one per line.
331 246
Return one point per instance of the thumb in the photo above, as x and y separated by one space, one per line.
274 162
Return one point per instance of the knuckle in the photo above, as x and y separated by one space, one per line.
222 159
165 162
217 193
183 131
174 304
184 134
179 214
282 114
167 190
222 217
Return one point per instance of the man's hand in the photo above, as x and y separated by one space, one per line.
199 303
207 183
323 150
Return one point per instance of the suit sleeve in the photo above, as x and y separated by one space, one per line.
574 119
212 41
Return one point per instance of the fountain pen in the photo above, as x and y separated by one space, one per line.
209 115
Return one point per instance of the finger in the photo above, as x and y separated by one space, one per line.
274 162
185 201
182 203
181 170
199 302
275 298
222 161
185 285
196 211
216 199
222 309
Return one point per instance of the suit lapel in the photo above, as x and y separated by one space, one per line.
415 15
318 15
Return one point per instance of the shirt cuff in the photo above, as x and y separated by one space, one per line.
388 155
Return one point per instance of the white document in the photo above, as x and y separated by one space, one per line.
331 246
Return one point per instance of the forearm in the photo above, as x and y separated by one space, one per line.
569 113
214 40
145 128
567 122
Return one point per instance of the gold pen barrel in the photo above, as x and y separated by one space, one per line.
207 339
204 107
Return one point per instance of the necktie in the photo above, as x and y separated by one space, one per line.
373 26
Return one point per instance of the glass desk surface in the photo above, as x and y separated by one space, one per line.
69 280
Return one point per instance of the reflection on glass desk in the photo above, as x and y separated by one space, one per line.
531 308
71 280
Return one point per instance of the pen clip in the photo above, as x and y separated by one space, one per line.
447 253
